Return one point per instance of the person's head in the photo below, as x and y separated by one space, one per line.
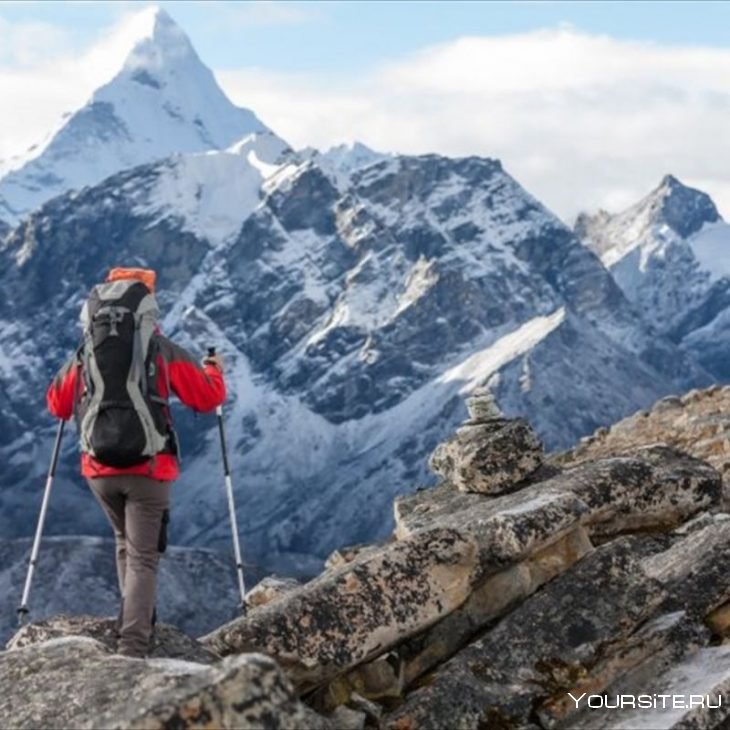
146 276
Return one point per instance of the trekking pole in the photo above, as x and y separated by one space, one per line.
231 503
23 610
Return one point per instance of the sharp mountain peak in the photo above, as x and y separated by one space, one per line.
163 101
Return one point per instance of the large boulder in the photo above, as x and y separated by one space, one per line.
652 488
489 454
695 568
350 615
74 682
497 595
628 612
548 641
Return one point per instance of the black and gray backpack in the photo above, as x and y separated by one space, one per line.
122 419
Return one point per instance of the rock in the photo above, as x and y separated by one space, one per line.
626 666
74 682
693 694
541 648
425 507
693 575
167 641
489 456
270 589
497 595
482 406
348 616
246 691
344 718
380 678
372 710
345 555
652 488
698 424
694 569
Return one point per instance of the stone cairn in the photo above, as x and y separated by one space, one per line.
489 453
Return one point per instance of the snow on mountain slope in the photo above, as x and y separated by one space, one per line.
476 369
670 254
711 247
356 296
342 161
647 249
352 322
213 192
163 101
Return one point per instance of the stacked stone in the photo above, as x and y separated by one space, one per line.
489 453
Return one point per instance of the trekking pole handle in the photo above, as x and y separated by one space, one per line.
219 409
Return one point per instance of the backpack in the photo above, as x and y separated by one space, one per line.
123 421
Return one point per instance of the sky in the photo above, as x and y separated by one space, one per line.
588 105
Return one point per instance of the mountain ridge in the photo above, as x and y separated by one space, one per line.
346 317
678 276
357 298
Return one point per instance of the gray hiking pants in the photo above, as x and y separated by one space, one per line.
134 506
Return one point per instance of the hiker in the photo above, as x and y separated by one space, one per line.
117 387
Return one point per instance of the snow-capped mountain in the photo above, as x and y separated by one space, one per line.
357 297
670 254
353 323
341 161
163 101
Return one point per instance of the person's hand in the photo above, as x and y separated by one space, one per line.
216 360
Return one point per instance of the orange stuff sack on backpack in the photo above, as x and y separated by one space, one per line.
146 276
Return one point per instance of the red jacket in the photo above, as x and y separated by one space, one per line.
200 387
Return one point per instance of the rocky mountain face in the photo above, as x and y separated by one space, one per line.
356 296
353 319
616 565
670 254
163 101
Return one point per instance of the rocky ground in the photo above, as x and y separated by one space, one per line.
521 592
697 422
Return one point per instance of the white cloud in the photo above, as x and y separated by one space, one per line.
28 43
581 120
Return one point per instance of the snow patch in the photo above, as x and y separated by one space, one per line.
711 247
211 193
477 367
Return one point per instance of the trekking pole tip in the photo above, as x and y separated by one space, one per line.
22 615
